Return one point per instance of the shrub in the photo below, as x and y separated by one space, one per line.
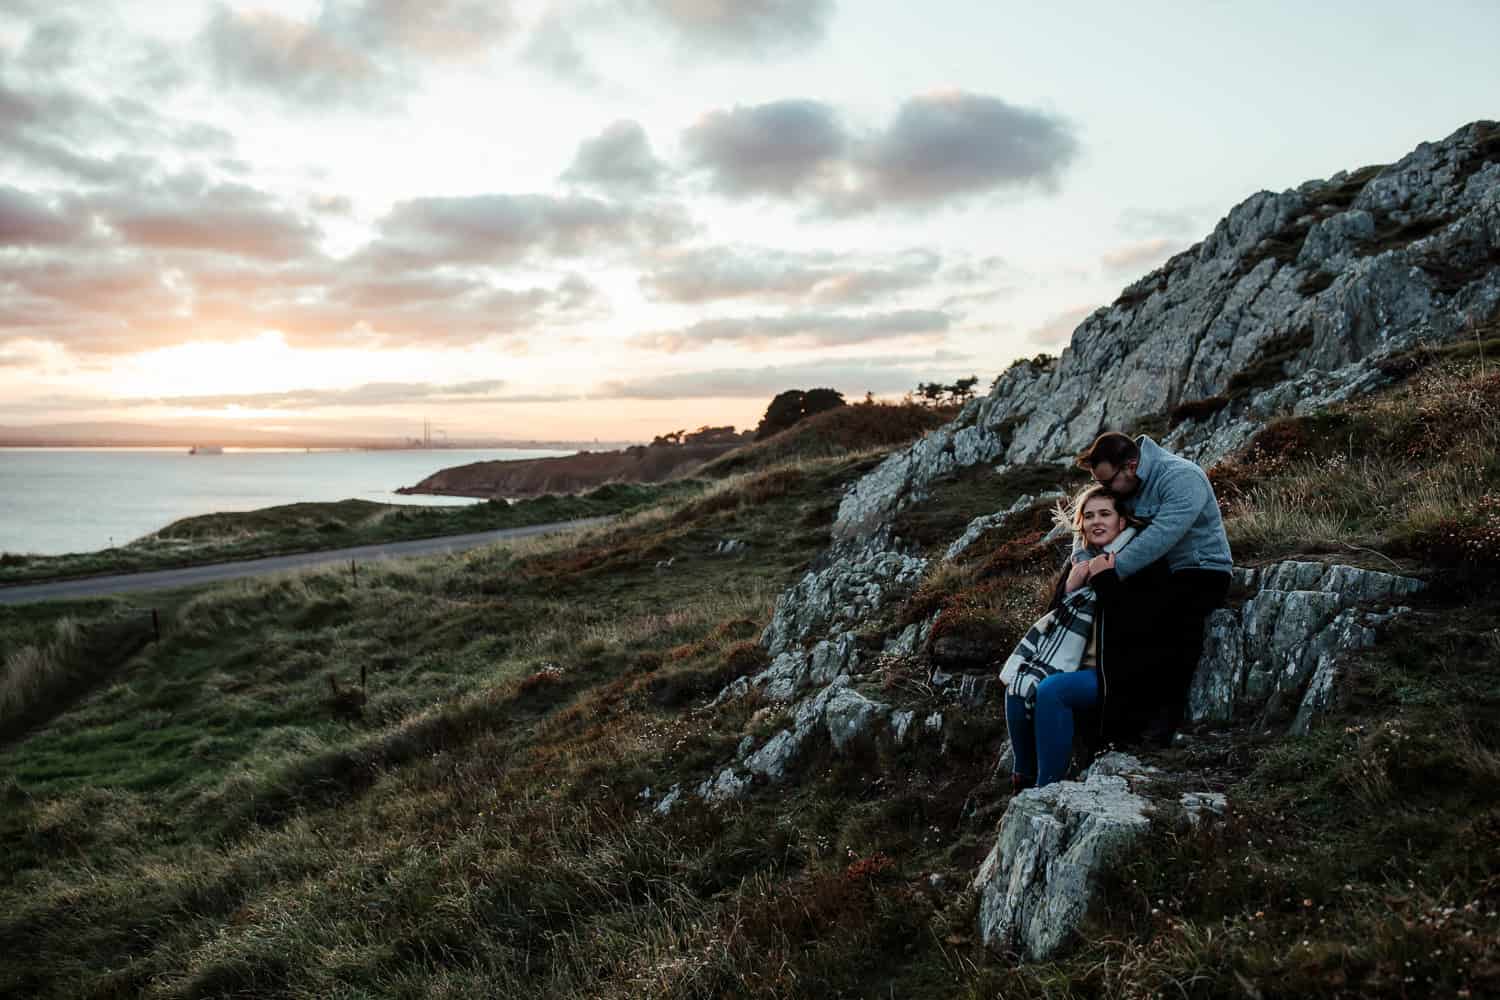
1469 537
1196 409
745 658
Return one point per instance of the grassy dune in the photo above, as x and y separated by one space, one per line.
231 812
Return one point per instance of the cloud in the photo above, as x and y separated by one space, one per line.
715 274
56 130
937 148
952 144
369 394
1057 330
850 377
188 212
504 229
804 329
27 220
617 161
296 60
784 148
114 300
356 54
1144 222
553 49
436 29
744 27
1139 256
51 45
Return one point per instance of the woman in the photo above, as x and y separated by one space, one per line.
1058 669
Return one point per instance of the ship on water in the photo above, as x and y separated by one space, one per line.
206 449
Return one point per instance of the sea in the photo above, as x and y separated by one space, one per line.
64 500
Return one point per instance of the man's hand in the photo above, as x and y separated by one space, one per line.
1100 563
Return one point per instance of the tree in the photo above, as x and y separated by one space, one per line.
793 405
818 400
930 392
963 389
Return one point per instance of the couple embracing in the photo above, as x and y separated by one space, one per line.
1119 644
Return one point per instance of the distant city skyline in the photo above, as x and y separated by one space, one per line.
531 220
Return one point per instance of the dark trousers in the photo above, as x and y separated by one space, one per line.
1191 596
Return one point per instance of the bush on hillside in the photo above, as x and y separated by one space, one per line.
832 432
794 405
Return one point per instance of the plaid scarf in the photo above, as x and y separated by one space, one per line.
1057 641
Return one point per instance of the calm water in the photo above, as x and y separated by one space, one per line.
57 500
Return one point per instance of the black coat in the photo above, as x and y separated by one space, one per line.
1132 652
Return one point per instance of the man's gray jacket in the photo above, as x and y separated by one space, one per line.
1185 524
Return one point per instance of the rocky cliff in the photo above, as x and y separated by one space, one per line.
1289 304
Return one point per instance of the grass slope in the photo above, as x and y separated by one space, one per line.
841 431
214 816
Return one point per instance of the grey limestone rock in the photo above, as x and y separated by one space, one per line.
726 786
851 718
985 522
1201 805
779 753
1038 880
901 721
669 801
856 581
1281 648
793 671
912 638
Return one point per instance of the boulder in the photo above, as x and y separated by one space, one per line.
1039 879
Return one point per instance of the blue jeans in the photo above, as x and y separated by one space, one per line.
1044 743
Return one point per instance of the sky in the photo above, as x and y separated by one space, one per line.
529 219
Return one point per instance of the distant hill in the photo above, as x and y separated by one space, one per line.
534 477
834 432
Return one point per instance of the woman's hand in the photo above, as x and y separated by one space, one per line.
1100 563
1077 576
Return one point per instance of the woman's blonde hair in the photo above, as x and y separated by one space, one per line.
1069 513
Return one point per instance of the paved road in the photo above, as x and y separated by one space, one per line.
165 579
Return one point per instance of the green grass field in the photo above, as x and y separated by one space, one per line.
430 784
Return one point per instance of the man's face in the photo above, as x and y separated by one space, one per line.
1118 479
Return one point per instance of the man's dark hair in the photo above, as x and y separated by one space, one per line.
1112 447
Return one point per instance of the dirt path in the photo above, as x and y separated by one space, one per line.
166 579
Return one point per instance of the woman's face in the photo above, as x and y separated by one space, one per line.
1101 521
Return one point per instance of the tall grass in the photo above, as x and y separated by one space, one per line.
1386 473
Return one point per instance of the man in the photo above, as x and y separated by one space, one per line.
1186 530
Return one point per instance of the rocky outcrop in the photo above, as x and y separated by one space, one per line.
838 714
1288 305
1276 656
855 581
1039 879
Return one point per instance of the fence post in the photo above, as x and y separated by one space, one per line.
155 625
353 573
